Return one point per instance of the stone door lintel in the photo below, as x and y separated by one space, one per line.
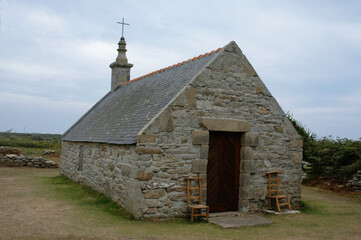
225 125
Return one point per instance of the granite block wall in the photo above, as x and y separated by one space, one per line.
148 178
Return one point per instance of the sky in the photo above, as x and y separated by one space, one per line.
55 55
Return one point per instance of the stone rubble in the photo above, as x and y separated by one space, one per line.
13 160
50 153
355 182
8 150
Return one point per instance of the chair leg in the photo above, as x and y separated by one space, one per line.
278 204
207 214
289 203
192 213
187 214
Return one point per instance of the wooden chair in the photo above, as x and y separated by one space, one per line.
195 193
273 191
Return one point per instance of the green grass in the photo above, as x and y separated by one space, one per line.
325 215
305 208
32 144
85 196
30 140
36 152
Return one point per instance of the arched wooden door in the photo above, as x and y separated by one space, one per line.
223 171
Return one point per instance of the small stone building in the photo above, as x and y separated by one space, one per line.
210 117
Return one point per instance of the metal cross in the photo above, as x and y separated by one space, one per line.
123 23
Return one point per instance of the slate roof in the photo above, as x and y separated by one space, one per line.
121 114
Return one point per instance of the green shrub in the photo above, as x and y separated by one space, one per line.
30 140
338 158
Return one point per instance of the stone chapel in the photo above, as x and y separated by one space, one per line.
210 117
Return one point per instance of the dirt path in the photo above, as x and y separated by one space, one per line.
24 213
30 210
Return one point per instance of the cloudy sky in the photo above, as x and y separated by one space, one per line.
55 55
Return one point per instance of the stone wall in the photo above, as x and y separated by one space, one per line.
355 182
124 173
110 169
227 96
8 150
148 178
13 160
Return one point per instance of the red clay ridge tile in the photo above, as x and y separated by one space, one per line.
172 66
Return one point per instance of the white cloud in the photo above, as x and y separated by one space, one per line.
97 50
34 72
32 20
337 116
326 110
34 102
44 20
150 58
351 99
307 53
38 114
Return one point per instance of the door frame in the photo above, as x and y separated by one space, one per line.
249 140
221 171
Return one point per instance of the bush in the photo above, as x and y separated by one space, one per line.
30 140
338 158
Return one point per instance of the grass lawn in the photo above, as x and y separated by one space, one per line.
39 204
37 152
32 144
326 215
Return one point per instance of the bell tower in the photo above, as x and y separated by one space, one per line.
121 67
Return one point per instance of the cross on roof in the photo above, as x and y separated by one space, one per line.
123 23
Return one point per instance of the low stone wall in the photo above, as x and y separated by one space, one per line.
355 182
8 150
51 153
13 160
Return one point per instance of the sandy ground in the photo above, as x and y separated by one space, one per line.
24 213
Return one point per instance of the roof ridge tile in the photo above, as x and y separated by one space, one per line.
171 66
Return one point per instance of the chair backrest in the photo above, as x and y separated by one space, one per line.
273 183
194 192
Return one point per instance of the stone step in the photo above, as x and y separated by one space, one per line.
239 221
226 214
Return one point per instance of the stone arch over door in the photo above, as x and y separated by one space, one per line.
248 141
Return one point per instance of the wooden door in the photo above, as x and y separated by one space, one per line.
223 171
